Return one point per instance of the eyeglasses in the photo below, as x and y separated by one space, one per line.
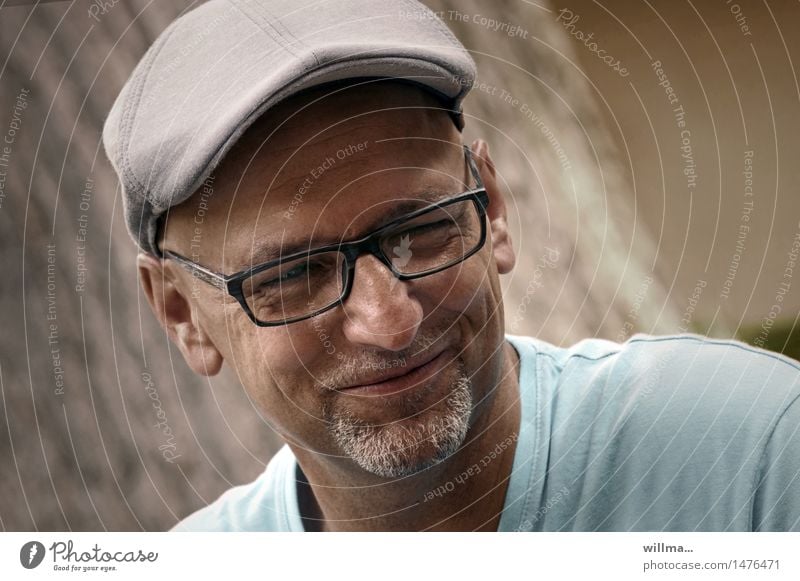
305 284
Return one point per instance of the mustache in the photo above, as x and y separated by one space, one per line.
350 369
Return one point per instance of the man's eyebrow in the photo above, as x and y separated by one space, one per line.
269 251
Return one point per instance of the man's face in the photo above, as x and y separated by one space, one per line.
320 171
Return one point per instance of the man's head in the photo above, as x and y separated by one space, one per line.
323 168
391 371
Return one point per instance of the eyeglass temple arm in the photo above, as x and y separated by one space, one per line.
472 167
209 276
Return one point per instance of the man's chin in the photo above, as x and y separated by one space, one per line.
409 445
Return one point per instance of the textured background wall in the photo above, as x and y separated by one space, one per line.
103 425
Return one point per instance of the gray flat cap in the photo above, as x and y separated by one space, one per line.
217 68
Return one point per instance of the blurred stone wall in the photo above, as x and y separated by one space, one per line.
728 72
584 267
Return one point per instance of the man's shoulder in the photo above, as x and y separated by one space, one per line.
678 432
265 504
663 355
705 367
667 379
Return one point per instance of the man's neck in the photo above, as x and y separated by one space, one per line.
466 492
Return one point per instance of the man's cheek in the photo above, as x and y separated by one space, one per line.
462 286
278 365
278 347
276 387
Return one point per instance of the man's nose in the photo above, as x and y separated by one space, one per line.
379 311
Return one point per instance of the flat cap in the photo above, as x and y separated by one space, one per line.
217 68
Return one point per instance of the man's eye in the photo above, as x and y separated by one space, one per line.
433 227
294 273
310 270
440 225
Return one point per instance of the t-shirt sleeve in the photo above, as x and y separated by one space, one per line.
776 503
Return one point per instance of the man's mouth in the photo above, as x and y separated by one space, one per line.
398 380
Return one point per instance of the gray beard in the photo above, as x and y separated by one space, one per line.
405 447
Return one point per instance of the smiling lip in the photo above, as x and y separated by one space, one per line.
398 381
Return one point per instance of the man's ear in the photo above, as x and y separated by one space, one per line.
174 311
502 246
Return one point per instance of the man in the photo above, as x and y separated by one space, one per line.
294 175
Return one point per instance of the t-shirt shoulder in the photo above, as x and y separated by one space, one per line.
265 504
675 432
704 386
776 503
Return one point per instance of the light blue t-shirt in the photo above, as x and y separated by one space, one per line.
672 433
